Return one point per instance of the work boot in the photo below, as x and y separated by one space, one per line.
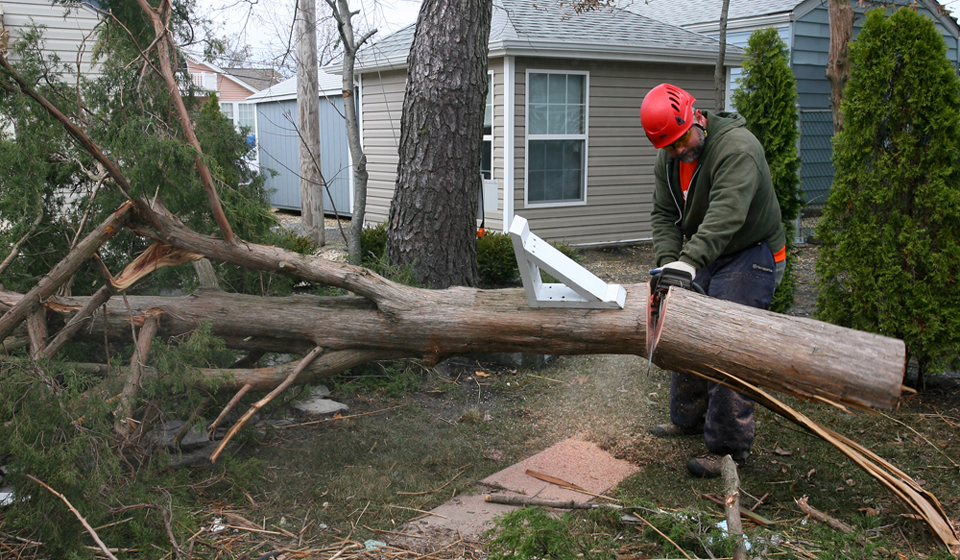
671 430
708 464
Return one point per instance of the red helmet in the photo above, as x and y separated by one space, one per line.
666 114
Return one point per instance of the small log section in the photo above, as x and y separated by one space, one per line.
793 355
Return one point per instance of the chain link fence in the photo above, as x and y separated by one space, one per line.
816 173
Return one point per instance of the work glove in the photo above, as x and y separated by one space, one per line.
676 273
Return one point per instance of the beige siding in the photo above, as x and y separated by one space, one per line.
68 32
382 104
620 159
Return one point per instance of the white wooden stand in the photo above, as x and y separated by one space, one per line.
580 287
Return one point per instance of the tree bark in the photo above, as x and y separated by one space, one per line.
165 46
731 505
308 122
432 223
840 13
797 356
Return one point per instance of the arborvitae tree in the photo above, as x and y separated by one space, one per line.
52 192
767 98
890 262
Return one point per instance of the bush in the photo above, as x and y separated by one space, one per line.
496 263
890 260
767 98
373 244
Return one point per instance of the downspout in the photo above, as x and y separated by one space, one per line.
509 115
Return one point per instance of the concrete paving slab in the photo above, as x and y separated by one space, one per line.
469 516
578 462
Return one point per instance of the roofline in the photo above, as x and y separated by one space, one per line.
559 49
196 60
744 24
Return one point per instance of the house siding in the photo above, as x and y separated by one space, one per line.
619 158
382 103
67 37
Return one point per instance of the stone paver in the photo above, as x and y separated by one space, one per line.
575 461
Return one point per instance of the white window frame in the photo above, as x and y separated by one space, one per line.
584 136
490 102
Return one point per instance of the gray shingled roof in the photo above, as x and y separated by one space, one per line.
691 12
547 28
330 84
259 78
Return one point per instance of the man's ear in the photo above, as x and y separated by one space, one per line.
699 118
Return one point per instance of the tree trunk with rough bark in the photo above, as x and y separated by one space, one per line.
432 224
697 334
838 62
308 122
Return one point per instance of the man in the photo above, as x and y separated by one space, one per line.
716 221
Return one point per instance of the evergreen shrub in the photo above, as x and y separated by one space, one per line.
890 259
767 99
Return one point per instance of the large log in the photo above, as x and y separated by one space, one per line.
797 356
793 355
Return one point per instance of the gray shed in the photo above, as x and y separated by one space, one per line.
278 149
804 26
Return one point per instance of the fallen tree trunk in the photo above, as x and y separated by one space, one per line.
811 359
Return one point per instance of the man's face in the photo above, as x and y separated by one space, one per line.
689 146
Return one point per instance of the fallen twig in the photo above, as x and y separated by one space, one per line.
79 517
659 532
331 419
212 428
558 504
818 515
430 491
749 514
566 485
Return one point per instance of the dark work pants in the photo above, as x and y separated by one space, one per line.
748 278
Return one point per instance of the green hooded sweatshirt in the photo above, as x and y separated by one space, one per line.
731 204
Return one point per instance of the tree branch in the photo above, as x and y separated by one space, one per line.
164 46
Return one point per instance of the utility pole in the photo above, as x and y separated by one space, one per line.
308 122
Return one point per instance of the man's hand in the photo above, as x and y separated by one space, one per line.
676 273
681 267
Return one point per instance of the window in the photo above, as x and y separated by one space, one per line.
227 109
556 137
486 156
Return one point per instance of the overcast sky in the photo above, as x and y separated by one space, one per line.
265 24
